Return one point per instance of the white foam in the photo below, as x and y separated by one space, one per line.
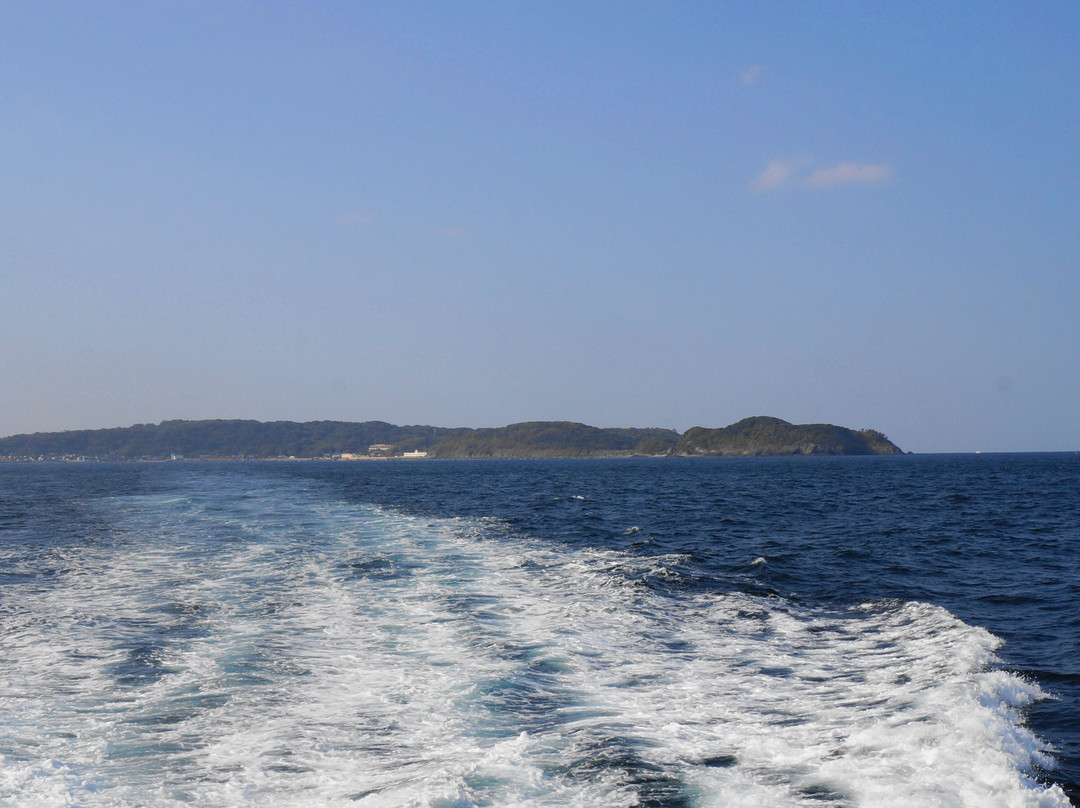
346 656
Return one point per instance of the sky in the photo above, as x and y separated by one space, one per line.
651 214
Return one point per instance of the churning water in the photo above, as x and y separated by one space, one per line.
805 632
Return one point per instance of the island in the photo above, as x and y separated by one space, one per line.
371 440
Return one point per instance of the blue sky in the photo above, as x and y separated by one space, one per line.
469 214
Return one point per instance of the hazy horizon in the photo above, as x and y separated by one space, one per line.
626 215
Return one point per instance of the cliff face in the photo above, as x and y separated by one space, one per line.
762 435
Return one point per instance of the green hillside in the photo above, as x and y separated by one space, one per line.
555 439
226 439
241 439
763 435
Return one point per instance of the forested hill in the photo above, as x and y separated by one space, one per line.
771 436
241 439
555 439
225 439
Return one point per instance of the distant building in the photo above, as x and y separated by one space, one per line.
415 454
380 448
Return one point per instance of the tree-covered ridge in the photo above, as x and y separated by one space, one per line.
263 440
763 435
555 439
224 438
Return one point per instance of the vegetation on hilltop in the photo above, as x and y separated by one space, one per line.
218 438
555 439
258 440
763 435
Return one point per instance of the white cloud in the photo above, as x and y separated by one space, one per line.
775 174
752 75
849 174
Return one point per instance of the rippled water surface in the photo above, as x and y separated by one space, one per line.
790 632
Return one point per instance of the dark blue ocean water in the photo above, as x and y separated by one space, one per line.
900 631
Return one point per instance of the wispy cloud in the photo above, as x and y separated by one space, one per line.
781 172
850 174
751 76
776 173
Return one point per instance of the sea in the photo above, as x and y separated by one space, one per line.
672 633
